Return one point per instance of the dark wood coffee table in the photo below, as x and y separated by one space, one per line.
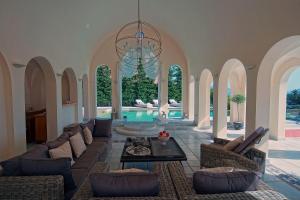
171 151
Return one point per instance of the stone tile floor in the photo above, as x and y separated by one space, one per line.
283 164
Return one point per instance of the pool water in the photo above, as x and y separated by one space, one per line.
145 115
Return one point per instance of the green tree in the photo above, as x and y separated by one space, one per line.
238 99
103 86
175 83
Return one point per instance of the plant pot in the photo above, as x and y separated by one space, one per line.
238 125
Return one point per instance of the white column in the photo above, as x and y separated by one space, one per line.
191 97
163 88
196 101
118 85
79 100
59 103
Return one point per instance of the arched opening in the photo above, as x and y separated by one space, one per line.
175 92
69 97
104 91
6 133
231 113
205 114
85 108
40 101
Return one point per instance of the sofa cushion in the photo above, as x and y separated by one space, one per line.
45 167
59 141
102 128
73 129
205 182
88 137
250 141
79 175
77 145
40 151
230 146
90 124
86 160
124 184
63 151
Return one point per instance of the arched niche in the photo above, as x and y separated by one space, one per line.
205 83
273 73
6 118
233 73
69 97
40 100
85 107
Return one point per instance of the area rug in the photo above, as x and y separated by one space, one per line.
284 176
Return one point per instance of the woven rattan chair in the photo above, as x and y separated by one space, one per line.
185 191
214 155
167 190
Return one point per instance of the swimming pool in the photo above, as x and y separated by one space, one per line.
142 115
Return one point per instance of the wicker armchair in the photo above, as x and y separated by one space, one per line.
167 190
214 155
185 191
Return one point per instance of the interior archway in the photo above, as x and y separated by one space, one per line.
233 75
205 99
69 97
40 101
6 133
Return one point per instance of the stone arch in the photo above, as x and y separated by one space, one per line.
85 103
69 97
273 71
39 69
6 111
234 72
205 81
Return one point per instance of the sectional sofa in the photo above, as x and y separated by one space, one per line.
14 184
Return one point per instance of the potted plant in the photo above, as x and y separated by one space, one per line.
238 99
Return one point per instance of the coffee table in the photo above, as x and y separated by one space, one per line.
170 151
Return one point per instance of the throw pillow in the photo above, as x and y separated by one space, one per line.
228 182
46 167
102 128
77 144
88 137
124 184
63 151
230 146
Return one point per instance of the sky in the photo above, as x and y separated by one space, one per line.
294 80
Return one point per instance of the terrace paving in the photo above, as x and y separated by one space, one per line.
283 163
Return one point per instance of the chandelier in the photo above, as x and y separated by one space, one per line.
138 43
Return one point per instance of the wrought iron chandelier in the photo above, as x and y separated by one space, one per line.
138 43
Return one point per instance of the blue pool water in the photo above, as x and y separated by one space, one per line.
145 115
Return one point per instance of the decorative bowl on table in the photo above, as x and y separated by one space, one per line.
164 137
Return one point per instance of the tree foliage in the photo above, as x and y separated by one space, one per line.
103 86
293 97
175 83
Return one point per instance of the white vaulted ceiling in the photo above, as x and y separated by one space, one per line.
67 32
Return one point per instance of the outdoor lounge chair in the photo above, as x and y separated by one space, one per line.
141 104
174 103
250 158
185 191
155 103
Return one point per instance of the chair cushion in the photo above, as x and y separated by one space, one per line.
250 141
205 182
58 141
102 128
63 151
45 167
230 146
124 184
88 137
77 145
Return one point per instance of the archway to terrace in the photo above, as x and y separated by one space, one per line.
69 97
175 92
104 91
205 113
232 81
280 61
40 101
6 133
